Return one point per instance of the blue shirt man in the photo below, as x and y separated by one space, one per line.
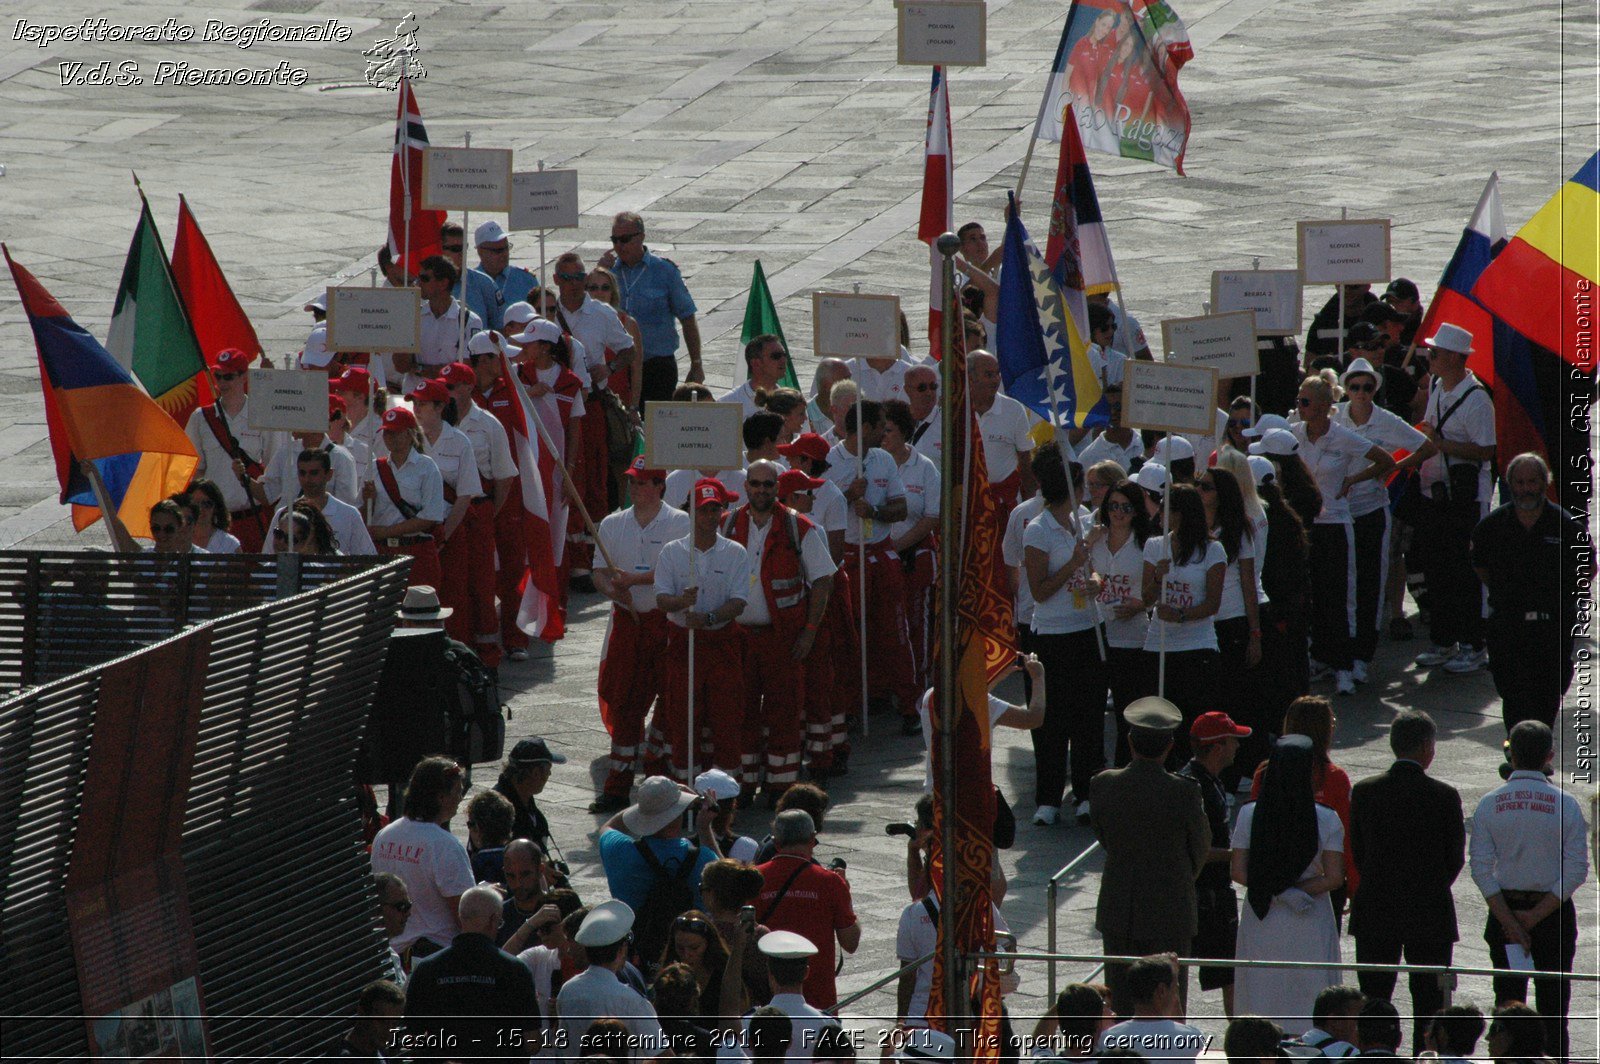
473 287
511 283
652 290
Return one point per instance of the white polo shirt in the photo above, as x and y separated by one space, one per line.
744 395
1472 422
883 483
722 574
1383 429
880 386
458 466
1011 548
490 447
635 547
349 530
1101 449
815 563
921 479
282 476
441 335
216 463
1335 455
929 442
1004 427
597 327
420 485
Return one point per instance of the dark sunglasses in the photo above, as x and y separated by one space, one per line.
692 923
597 288
165 530
452 247
206 504
1353 387
1120 507
760 483
1301 400
1239 422
399 906
424 277
229 376
569 276
497 251
924 388
625 238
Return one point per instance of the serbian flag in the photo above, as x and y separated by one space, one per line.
985 647
544 520
1075 200
405 188
1116 72
219 321
96 413
938 197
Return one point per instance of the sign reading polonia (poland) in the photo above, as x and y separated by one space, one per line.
1223 342
466 179
846 325
377 320
942 32
1274 295
1354 251
1166 397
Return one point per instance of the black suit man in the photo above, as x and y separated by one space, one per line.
1409 840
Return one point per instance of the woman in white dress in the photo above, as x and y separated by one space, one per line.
1288 852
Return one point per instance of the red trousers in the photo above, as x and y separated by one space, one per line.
920 582
594 469
833 688
888 635
718 699
630 680
774 701
511 552
250 529
467 562
424 556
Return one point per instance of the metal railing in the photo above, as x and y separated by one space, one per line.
878 984
1348 966
1051 894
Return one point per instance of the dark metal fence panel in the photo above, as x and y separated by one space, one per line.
280 887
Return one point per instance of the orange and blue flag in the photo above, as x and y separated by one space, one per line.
96 413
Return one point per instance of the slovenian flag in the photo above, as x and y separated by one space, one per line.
96 413
938 197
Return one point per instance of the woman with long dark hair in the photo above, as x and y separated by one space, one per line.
1183 576
212 519
1280 447
1117 557
1285 577
1288 854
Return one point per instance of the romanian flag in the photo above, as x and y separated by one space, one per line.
938 198
760 319
219 321
95 412
985 645
1543 283
1075 200
150 334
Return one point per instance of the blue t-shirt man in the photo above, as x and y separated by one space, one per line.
652 290
630 879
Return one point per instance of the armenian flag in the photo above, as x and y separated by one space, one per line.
96 413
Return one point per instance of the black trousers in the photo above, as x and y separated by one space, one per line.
1249 695
658 378
1129 677
1531 662
1455 597
1332 594
1372 565
1191 686
1074 715
1129 946
1427 993
1555 944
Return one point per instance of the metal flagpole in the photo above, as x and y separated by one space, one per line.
404 150
543 281
949 560
1255 264
1065 445
693 738
463 312
1161 588
1344 213
863 525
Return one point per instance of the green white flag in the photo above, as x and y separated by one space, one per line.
761 317
150 333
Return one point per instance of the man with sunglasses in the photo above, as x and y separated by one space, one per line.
922 395
511 283
394 910
231 452
481 296
606 344
764 361
441 315
651 289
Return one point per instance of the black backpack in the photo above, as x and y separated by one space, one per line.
477 719
671 895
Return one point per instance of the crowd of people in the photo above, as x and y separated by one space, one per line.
1203 590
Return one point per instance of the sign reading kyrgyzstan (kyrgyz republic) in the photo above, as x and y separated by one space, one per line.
693 436
288 400
466 179
378 320
942 33
1165 397
845 325
544 199
1223 342
1275 296
1344 252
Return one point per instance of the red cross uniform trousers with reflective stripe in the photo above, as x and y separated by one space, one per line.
467 562
833 677
920 574
631 670
888 635
718 699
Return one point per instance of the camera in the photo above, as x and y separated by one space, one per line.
907 830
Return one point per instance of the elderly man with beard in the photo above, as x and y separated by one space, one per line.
1524 554
793 576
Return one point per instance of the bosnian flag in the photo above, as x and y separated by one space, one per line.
405 187
1075 201
938 196
544 507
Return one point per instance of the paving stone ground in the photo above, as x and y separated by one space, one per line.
786 133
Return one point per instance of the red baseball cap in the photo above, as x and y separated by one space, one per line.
1211 726
398 417
232 360
708 491
792 480
353 379
639 471
458 373
335 406
430 392
809 445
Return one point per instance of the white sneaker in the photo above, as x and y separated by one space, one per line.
517 654
1344 683
1360 672
1466 660
1435 655
1083 811
1046 815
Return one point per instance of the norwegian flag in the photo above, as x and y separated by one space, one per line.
544 508
938 194
405 188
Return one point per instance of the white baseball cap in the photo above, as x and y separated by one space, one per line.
1152 476
519 313
1171 449
316 354
540 329
1266 423
487 342
1276 441
489 232
1262 469
717 783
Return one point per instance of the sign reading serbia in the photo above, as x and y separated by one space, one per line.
1117 66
